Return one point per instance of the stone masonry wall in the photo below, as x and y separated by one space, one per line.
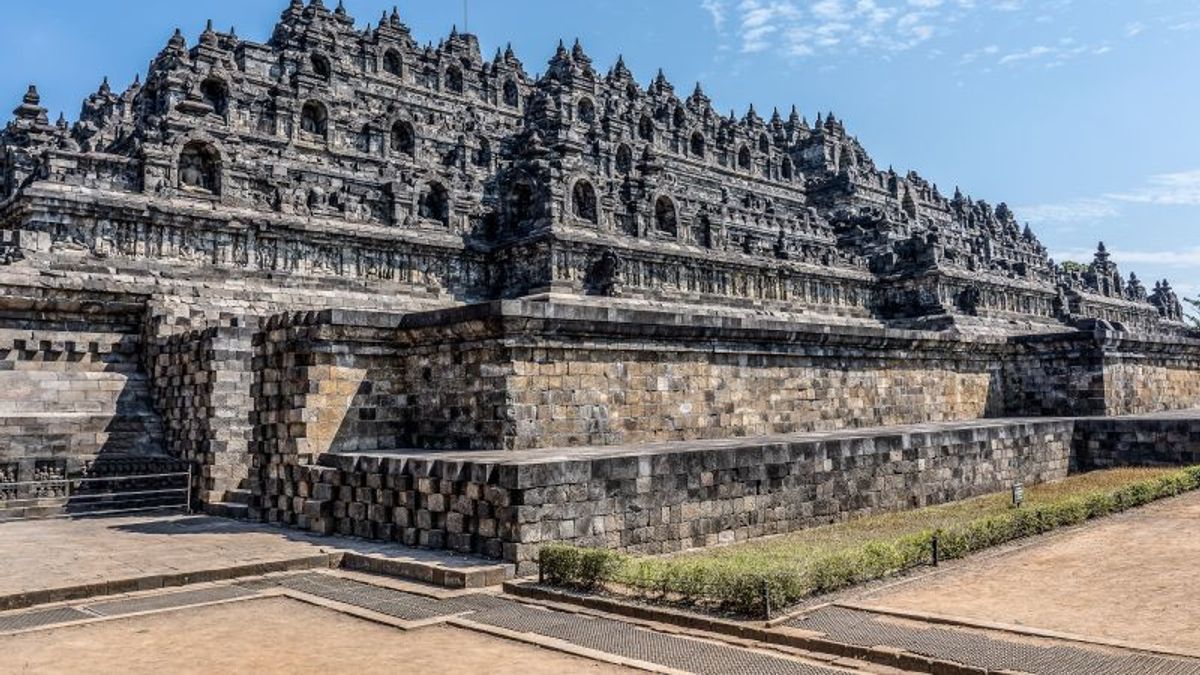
1159 440
202 388
1146 376
615 393
667 498
1054 375
1100 372
518 375
71 388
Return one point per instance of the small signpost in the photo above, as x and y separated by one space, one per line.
1018 494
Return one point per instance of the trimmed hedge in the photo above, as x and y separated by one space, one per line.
736 586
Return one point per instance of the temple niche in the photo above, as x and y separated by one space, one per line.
314 119
403 139
435 204
200 168
392 64
583 201
216 95
665 217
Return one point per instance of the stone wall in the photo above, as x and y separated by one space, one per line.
1157 440
1100 372
1060 374
664 498
1143 375
527 374
74 400
202 388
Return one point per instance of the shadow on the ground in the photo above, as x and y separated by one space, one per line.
209 525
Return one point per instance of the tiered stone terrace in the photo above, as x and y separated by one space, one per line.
302 265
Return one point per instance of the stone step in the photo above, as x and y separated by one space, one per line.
229 510
238 496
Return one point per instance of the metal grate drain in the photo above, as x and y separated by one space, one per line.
983 651
41 617
615 637
398 604
168 601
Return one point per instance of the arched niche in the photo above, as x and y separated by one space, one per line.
585 110
392 64
454 79
403 139
200 168
435 204
216 94
314 119
624 159
321 67
666 220
512 95
646 128
583 201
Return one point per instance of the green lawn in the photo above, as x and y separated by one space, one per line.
795 566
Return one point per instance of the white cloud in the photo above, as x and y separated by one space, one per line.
1070 212
1168 189
716 10
1053 55
801 28
808 27
1180 188
1189 258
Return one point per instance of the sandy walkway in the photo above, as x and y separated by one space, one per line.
273 636
1132 578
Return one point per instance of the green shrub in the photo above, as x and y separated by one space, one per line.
585 568
785 570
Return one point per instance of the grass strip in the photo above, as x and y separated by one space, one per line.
789 568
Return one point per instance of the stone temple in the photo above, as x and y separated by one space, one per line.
405 292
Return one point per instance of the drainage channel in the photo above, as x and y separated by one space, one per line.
605 635
600 634
866 629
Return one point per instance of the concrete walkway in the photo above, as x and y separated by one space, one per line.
131 553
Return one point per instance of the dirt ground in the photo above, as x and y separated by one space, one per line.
276 635
1133 578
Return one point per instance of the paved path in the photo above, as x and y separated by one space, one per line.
276 635
985 649
29 637
1133 577
47 554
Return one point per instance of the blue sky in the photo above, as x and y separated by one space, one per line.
1081 114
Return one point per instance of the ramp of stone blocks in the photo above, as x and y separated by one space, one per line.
984 650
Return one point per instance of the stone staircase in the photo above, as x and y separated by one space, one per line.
236 505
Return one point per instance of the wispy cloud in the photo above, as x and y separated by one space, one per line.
717 11
1069 212
1189 258
1180 188
1168 189
807 27
1053 55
